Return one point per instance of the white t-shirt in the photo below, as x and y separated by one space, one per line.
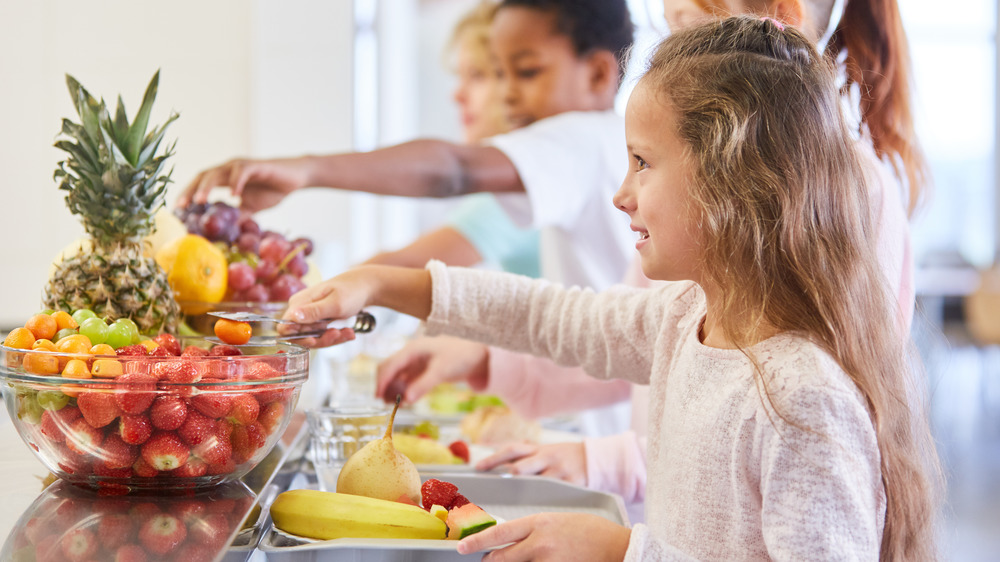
571 165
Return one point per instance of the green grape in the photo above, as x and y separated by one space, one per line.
82 315
28 410
63 333
95 329
132 328
48 311
52 399
119 335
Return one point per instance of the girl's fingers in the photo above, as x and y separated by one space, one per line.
531 464
506 455
504 533
391 369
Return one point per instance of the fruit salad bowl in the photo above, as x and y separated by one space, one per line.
150 422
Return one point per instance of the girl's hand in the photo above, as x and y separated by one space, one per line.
424 363
260 184
564 461
551 536
340 297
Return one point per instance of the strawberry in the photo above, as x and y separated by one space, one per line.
134 350
460 450
98 408
162 534
134 430
114 530
224 351
48 549
117 453
213 404
73 463
189 510
194 351
193 468
196 428
167 412
165 451
260 370
78 545
210 530
225 467
135 392
130 553
36 529
243 449
142 511
213 450
176 371
245 409
83 438
168 343
142 469
256 434
55 423
270 393
104 472
438 492
271 416
192 552
160 351
459 501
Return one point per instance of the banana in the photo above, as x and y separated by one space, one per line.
331 515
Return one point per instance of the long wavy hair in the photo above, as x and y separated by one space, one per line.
788 223
870 36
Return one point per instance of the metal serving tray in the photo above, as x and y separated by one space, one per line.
503 496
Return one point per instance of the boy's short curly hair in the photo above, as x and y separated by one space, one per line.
590 24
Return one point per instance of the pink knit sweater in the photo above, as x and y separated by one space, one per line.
729 478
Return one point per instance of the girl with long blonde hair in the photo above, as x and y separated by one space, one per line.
785 420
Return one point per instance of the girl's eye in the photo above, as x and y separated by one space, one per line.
640 164
528 73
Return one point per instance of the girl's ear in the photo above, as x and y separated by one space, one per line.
792 12
603 66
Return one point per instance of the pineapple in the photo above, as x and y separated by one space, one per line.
116 184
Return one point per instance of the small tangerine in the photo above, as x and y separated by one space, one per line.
77 343
43 345
43 326
102 349
20 338
64 320
107 368
232 332
76 369
41 363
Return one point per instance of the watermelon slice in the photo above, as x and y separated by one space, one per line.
467 520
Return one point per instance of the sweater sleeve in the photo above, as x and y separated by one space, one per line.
611 334
535 387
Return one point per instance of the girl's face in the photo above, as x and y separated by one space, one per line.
539 71
656 190
477 95
681 14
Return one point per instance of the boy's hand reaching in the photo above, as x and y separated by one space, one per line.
260 184
551 536
424 363
564 461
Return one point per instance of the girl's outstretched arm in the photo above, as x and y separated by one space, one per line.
399 288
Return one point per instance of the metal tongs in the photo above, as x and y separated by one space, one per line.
362 323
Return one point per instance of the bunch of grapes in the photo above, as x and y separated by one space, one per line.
264 266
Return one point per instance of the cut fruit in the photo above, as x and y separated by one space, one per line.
440 512
468 520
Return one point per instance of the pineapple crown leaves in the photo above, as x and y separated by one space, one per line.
113 173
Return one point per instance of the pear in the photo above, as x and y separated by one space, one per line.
378 470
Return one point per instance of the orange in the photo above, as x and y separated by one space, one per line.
64 321
106 368
44 345
41 363
76 369
232 332
102 349
77 343
43 326
197 269
20 338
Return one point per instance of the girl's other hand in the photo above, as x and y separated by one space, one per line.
260 184
564 461
551 536
426 362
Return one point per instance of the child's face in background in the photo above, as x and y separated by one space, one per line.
656 190
477 94
539 71
681 14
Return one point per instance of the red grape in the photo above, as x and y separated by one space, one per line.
248 242
212 226
241 276
256 293
266 270
250 225
274 249
193 224
306 242
297 266
285 286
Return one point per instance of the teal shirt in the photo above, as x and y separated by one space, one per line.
482 220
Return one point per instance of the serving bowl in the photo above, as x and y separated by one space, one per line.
154 422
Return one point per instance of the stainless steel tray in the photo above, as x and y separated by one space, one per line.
503 496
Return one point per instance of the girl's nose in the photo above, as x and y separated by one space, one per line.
624 199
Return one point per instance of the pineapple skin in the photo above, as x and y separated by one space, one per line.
116 282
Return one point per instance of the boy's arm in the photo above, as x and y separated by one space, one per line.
422 168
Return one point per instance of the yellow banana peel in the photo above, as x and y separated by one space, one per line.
330 515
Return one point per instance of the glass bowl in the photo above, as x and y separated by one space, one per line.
165 422
201 323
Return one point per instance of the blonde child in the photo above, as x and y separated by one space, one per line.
785 423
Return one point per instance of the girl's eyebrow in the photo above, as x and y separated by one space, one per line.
526 53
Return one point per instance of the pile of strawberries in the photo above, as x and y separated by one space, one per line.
70 525
172 416
438 492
